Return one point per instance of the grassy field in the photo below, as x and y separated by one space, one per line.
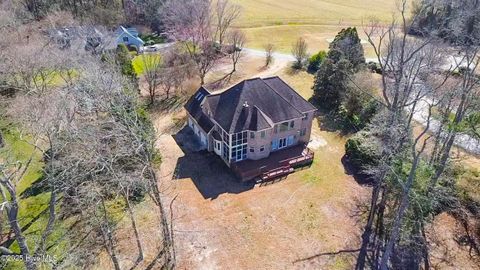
281 22
328 12
143 61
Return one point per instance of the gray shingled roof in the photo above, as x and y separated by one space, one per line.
254 104
289 94
193 106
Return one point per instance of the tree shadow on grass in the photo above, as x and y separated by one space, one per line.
360 178
38 187
221 82
330 120
169 105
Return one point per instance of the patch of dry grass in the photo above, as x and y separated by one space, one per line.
284 36
281 22
286 12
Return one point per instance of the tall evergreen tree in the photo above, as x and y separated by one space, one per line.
348 44
331 82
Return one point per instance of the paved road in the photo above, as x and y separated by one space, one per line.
284 56
464 141
260 53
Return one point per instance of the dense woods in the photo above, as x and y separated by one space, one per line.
453 20
90 139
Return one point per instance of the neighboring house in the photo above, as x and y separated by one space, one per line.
259 127
90 38
129 37
95 39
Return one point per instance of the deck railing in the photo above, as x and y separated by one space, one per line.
281 168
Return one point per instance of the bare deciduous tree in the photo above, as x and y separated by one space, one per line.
237 41
190 22
299 51
407 66
152 65
11 172
269 50
225 14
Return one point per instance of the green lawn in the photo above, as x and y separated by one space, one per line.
33 211
143 61
33 208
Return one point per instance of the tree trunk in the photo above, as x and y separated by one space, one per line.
134 225
51 221
448 147
399 217
12 213
1 140
108 241
167 238
362 255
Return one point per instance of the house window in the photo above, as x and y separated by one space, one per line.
252 150
225 137
262 148
282 143
303 132
283 126
239 153
239 146
262 134
125 39
292 124
290 140
239 138
274 145
252 135
225 151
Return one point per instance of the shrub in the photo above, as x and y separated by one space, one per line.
362 150
315 61
124 60
151 39
374 67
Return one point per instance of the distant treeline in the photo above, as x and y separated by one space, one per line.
105 12
456 21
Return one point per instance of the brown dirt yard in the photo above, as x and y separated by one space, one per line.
222 224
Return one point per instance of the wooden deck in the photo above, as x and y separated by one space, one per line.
278 164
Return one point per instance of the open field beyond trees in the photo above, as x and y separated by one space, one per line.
282 22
